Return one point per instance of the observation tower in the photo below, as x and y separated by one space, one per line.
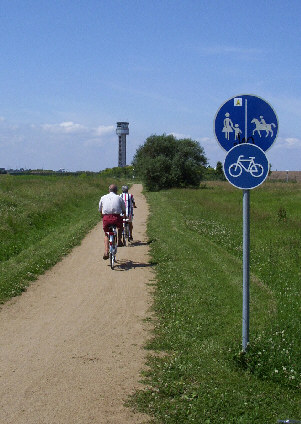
122 131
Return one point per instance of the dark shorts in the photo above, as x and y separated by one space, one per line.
108 220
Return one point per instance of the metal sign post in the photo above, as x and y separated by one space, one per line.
246 165
246 270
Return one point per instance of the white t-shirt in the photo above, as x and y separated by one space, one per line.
111 204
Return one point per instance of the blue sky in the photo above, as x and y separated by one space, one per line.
71 69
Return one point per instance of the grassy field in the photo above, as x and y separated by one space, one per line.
41 219
197 373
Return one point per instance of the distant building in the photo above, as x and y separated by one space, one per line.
122 131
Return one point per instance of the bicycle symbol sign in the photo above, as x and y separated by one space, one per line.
246 166
246 119
255 169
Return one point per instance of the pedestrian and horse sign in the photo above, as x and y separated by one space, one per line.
246 119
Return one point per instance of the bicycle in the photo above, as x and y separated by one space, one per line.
255 169
126 235
112 234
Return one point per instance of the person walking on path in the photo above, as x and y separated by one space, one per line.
111 206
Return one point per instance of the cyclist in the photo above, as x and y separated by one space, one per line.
129 204
111 206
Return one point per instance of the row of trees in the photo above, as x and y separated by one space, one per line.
164 162
118 172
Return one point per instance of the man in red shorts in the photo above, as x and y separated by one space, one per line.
111 206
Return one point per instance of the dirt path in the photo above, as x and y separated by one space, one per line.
71 346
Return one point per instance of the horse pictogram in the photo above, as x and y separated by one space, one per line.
263 126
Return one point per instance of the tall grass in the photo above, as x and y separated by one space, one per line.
197 245
41 219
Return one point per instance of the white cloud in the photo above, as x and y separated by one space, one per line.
104 130
291 142
67 127
103 134
205 140
70 127
287 143
179 135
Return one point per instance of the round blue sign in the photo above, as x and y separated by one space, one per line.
246 119
246 166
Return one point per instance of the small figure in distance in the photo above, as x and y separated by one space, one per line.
130 205
111 206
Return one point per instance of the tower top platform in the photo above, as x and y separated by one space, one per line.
122 128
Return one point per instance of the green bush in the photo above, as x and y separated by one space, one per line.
164 162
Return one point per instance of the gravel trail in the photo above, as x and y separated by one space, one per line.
72 344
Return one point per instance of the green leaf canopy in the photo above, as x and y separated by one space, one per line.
164 162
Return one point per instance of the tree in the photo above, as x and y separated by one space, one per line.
118 172
163 162
219 172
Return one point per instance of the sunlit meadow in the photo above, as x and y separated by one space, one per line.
200 374
41 219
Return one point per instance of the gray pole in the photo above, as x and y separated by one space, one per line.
246 269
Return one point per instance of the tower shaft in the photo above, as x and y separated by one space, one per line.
122 151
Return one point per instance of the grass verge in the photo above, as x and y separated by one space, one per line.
197 244
42 218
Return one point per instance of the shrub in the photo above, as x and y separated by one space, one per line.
164 162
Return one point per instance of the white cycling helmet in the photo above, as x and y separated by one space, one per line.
125 189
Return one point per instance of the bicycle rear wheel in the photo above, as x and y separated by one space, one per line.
124 237
128 232
235 170
112 260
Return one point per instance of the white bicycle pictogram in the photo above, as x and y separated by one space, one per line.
249 165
